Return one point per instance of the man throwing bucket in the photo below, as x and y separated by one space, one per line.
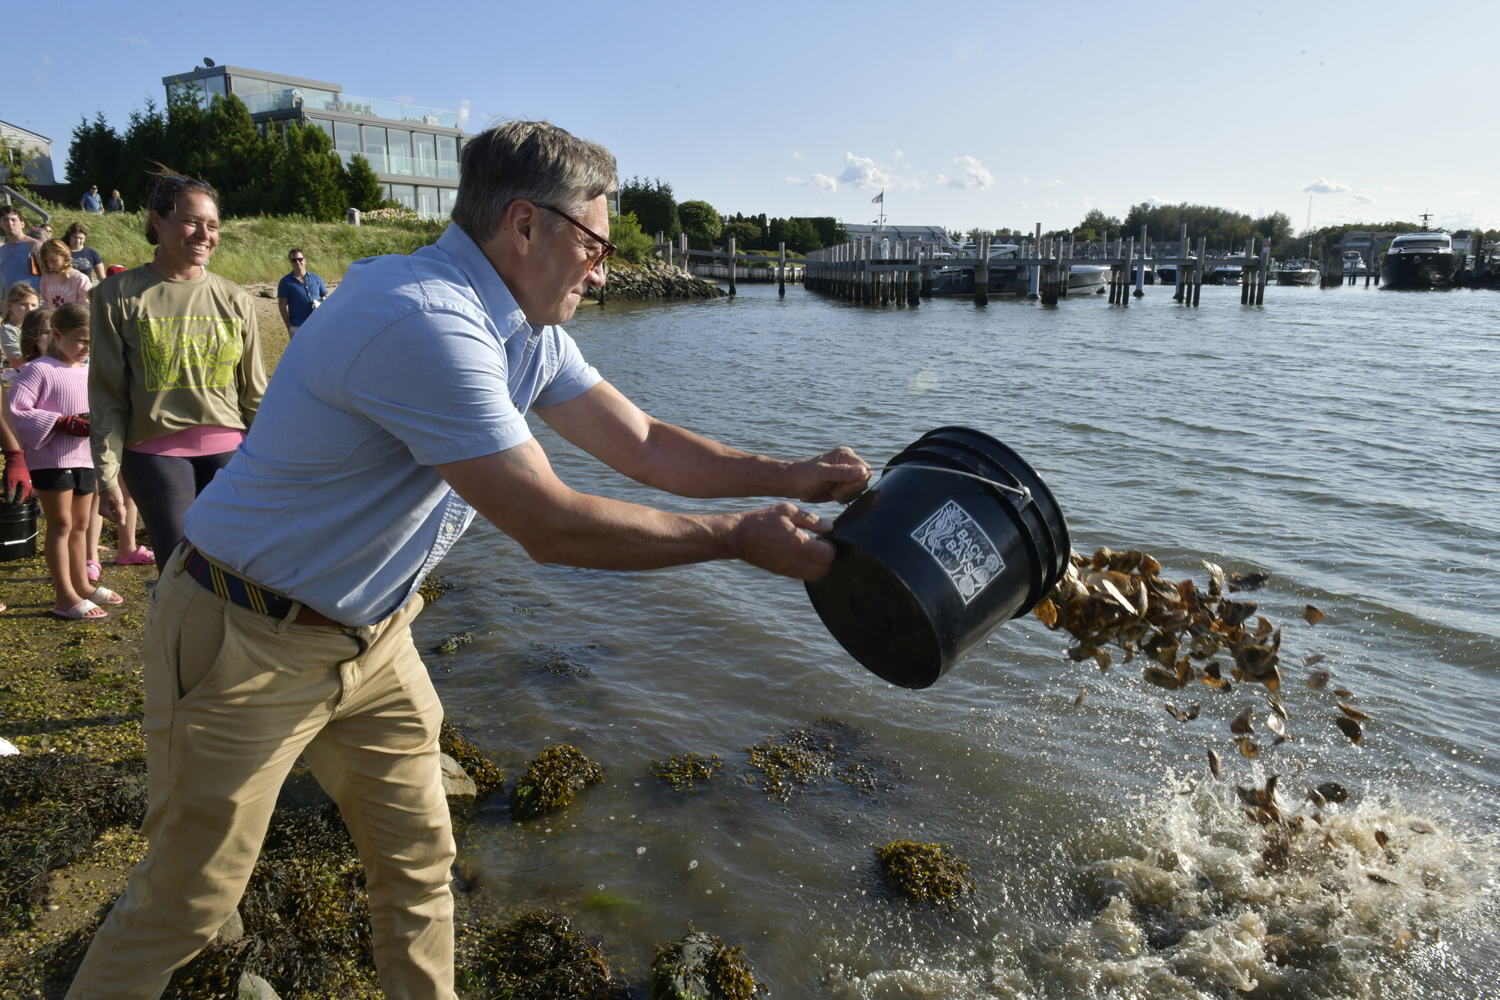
281 626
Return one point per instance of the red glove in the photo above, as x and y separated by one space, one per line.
17 476
76 425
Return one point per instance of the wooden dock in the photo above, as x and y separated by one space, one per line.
900 271
753 268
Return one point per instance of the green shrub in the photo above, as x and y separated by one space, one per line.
625 233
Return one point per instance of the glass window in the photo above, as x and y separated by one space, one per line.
405 194
427 202
425 148
448 156
446 198
375 147
345 140
323 123
398 147
264 95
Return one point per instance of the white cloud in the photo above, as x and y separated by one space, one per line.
1363 199
798 156
968 172
1465 194
132 40
463 113
1388 189
1054 182
406 99
820 182
1325 186
861 171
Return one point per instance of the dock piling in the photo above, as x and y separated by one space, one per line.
732 267
982 273
781 270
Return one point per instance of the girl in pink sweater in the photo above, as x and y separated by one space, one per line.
49 404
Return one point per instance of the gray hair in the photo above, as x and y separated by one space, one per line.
533 160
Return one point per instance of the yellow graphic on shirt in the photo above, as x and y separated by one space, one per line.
191 352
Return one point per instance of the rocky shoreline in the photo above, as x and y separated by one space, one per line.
653 280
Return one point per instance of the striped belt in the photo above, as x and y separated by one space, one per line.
234 588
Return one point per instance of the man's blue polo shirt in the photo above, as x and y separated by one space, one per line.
332 499
301 296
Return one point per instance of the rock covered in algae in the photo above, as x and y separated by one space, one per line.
551 781
434 587
486 775
542 956
455 642
700 966
829 748
682 770
923 871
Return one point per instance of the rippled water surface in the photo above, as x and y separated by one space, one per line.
1344 440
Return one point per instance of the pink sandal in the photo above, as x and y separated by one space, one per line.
140 557
93 569
83 611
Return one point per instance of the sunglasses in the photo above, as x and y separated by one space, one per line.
607 248
298 260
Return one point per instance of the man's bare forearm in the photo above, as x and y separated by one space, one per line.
564 526
678 461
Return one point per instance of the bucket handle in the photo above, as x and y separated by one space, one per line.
1023 493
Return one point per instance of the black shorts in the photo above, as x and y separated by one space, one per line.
80 481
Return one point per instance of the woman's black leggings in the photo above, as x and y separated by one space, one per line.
163 489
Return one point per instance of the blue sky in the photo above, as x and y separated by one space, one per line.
967 114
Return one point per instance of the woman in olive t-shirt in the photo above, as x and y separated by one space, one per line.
176 374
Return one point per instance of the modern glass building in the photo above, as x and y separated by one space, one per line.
413 149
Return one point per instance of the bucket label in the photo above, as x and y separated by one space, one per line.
961 547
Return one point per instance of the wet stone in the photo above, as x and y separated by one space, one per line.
701 966
484 773
454 642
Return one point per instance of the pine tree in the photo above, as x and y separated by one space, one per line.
235 157
94 155
311 180
364 189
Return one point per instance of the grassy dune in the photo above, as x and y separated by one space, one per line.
253 250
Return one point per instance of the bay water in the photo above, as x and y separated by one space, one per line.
1343 440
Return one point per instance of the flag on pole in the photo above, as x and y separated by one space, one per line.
879 199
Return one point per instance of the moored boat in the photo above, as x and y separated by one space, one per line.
1419 260
1298 272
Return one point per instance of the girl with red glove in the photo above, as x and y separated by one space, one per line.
48 404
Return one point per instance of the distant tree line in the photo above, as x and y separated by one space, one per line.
657 211
287 170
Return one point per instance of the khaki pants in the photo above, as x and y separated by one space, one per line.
232 698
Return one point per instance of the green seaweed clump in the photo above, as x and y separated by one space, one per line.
455 642
923 871
681 770
434 587
552 780
53 807
542 956
486 774
700 966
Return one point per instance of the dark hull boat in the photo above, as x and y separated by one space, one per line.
1419 260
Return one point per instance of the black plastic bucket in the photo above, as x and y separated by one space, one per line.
959 536
18 529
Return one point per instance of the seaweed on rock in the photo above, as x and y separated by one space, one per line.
552 780
829 748
486 774
682 770
542 956
700 966
923 871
